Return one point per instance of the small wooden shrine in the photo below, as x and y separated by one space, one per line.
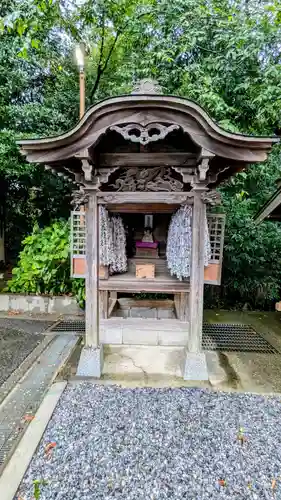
147 166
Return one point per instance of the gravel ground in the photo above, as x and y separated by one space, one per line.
156 444
17 339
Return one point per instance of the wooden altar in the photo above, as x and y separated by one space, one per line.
147 153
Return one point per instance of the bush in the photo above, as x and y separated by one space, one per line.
44 263
252 259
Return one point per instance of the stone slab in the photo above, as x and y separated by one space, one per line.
165 313
111 335
19 462
176 338
145 323
138 335
217 375
91 362
195 366
130 360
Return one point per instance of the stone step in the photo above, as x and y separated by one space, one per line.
143 324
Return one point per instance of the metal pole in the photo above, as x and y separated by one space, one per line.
82 92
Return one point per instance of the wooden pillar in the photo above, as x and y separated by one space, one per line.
103 306
196 298
92 275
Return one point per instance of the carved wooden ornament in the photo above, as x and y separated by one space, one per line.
147 179
212 197
101 176
147 86
144 135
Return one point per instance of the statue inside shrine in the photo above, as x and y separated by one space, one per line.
147 235
147 247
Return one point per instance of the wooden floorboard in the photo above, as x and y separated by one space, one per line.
127 282
133 285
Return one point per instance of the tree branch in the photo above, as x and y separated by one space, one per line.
102 40
99 68
102 68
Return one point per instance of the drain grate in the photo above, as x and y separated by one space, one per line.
216 336
69 327
234 337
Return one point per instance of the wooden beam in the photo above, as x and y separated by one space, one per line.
145 159
92 274
196 296
269 207
171 197
181 306
147 208
177 302
112 304
135 285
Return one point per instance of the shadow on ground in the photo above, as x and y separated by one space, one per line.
256 372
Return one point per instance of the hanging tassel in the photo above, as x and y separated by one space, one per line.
179 243
119 263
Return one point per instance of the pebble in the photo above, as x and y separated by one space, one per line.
144 443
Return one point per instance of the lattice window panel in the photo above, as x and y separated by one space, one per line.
216 224
78 233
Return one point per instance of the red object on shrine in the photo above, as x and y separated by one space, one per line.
146 244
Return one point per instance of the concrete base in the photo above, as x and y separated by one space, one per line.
133 361
195 367
91 362
39 304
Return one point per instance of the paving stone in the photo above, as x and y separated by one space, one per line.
91 362
195 366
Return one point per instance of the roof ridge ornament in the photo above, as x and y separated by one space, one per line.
147 86
137 133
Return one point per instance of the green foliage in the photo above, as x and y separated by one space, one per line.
252 258
226 55
43 265
37 483
252 253
78 288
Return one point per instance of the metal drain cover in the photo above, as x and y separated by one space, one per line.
77 326
234 337
216 336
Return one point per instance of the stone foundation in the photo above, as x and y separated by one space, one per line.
39 304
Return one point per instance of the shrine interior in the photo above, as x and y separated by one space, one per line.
146 241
